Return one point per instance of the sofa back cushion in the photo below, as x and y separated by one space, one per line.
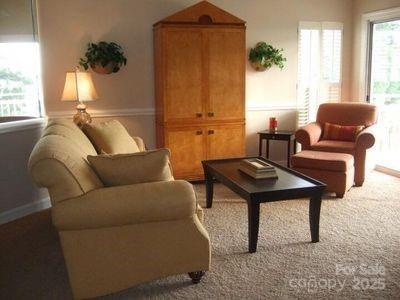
58 161
347 114
140 167
110 138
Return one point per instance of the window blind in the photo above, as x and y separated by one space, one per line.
319 67
17 21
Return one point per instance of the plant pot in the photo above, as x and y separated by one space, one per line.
108 69
258 66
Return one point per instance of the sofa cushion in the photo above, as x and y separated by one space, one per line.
341 132
124 205
334 146
110 137
124 169
339 162
57 163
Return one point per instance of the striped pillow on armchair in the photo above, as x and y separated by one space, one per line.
340 132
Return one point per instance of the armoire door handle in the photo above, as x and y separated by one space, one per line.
199 115
211 114
211 132
199 132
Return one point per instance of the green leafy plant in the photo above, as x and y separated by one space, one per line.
264 56
104 54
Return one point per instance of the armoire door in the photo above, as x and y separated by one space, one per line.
183 74
225 141
187 145
226 69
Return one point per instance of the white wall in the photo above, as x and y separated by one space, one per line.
18 195
65 27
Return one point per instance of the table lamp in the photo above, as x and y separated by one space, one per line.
79 87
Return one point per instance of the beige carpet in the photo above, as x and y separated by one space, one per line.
360 232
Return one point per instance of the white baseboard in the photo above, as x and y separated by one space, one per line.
24 210
387 171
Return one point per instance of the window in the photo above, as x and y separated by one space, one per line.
20 86
319 67
19 80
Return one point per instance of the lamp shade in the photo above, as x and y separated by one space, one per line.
79 87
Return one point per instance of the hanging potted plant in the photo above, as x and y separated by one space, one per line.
103 58
264 56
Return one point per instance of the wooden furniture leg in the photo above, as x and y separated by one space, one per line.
254 220
314 212
209 179
196 276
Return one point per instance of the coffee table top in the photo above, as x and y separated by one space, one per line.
289 185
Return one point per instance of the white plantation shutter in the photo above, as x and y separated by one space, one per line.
319 67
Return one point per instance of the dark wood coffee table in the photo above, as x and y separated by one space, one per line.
289 185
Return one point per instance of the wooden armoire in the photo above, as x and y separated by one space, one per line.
200 57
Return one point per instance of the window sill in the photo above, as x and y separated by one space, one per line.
21 125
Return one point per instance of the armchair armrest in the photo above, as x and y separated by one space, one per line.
366 138
129 204
309 135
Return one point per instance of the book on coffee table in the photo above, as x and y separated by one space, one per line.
257 168
256 164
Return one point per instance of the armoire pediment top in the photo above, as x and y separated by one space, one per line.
202 13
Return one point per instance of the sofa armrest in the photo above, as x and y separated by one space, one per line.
308 135
366 138
129 204
140 143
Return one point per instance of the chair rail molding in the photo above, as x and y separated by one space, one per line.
104 113
151 111
266 107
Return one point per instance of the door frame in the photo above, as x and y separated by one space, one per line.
367 21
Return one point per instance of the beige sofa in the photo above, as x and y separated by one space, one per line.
116 237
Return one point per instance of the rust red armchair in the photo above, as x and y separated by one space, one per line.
347 114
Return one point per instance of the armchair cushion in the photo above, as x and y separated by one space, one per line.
110 138
334 146
123 205
124 169
317 160
341 132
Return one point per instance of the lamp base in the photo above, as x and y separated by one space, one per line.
82 117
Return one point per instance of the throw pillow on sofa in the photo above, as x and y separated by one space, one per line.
124 169
110 137
340 132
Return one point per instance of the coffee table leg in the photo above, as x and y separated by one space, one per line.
209 188
314 212
254 220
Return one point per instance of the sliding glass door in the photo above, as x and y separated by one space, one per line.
384 88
